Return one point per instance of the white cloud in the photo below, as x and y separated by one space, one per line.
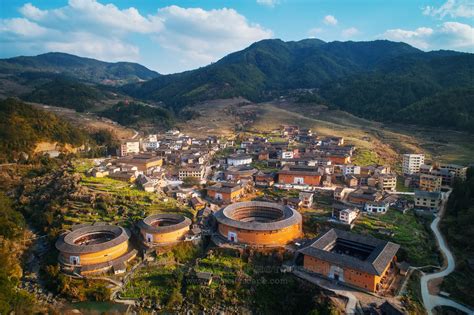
452 8
269 3
315 31
456 35
448 35
193 36
330 20
349 32
21 27
418 38
201 36
30 11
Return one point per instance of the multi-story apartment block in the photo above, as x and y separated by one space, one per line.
428 200
196 171
412 162
387 182
430 182
128 147
458 170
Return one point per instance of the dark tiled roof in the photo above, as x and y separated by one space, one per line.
66 242
381 255
289 216
225 187
147 223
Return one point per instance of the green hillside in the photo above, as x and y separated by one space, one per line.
267 67
137 115
375 80
67 93
78 67
22 126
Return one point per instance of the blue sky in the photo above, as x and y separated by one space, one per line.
173 36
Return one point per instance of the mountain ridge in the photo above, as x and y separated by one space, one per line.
81 68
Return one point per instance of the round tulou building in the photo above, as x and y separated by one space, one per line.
164 229
92 249
259 223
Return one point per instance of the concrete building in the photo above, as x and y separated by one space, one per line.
387 182
428 200
128 147
430 182
348 215
458 170
412 162
361 261
376 207
194 170
239 159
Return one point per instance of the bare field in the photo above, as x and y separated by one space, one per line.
220 117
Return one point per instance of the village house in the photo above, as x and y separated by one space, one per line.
386 182
344 213
347 216
128 147
458 170
351 181
299 175
143 162
241 172
363 195
428 200
376 206
193 170
264 180
447 176
238 159
129 177
226 192
430 182
361 261
340 193
350 169
306 199
411 163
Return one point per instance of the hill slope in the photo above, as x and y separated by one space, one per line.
376 80
22 126
86 69
268 66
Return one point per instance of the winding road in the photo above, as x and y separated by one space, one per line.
431 301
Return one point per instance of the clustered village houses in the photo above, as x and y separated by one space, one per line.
227 182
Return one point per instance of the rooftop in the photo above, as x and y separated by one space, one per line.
359 252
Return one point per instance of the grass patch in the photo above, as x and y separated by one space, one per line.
418 246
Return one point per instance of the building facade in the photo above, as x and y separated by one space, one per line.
358 260
412 162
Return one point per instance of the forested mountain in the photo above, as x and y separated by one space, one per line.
138 115
380 80
65 92
268 66
86 69
22 126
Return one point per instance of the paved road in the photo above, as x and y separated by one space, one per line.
430 301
